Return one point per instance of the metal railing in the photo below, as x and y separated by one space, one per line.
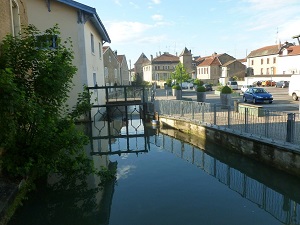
274 125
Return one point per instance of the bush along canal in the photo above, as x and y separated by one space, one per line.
173 182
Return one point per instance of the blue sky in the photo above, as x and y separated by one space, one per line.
235 27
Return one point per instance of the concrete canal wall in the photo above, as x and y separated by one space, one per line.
283 156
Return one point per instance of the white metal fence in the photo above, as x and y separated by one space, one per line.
274 125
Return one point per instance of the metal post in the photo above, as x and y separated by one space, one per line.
246 119
267 119
202 111
215 114
193 110
290 127
228 117
181 108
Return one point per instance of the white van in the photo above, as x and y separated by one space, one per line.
294 87
233 85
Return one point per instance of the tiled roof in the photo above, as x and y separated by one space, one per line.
166 58
229 62
242 60
209 61
293 50
142 59
104 48
267 50
121 58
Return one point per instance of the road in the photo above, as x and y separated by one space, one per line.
282 101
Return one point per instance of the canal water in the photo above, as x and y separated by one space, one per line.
162 180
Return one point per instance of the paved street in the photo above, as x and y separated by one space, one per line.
282 101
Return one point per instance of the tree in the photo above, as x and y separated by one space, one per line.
180 74
38 135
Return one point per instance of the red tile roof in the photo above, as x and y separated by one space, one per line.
293 50
267 50
209 61
166 57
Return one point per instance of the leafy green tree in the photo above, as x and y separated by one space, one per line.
38 135
180 74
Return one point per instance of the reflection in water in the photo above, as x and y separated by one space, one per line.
174 183
274 191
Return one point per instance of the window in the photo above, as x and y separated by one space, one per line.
261 71
92 44
105 72
94 79
15 18
274 60
100 51
268 60
268 71
47 41
252 62
262 61
116 73
109 58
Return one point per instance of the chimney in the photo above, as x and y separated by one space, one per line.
151 57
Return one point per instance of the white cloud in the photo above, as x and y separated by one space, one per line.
157 17
126 31
117 2
156 1
269 4
124 171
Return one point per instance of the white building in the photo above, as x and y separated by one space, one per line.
289 60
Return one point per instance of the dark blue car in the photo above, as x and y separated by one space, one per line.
257 95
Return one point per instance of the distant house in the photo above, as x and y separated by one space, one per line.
124 71
288 61
263 61
233 68
209 68
159 69
111 67
83 25
13 16
139 64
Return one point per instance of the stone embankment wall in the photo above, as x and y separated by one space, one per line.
280 155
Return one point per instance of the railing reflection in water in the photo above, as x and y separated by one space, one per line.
284 207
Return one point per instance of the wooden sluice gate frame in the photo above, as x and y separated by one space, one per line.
118 101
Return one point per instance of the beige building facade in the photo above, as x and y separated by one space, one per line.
82 24
13 17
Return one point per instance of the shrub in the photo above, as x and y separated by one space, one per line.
198 82
200 89
169 82
176 87
226 90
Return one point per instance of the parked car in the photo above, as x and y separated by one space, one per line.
267 83
233 85
282 84
257 95
208 87
187 85
245 87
